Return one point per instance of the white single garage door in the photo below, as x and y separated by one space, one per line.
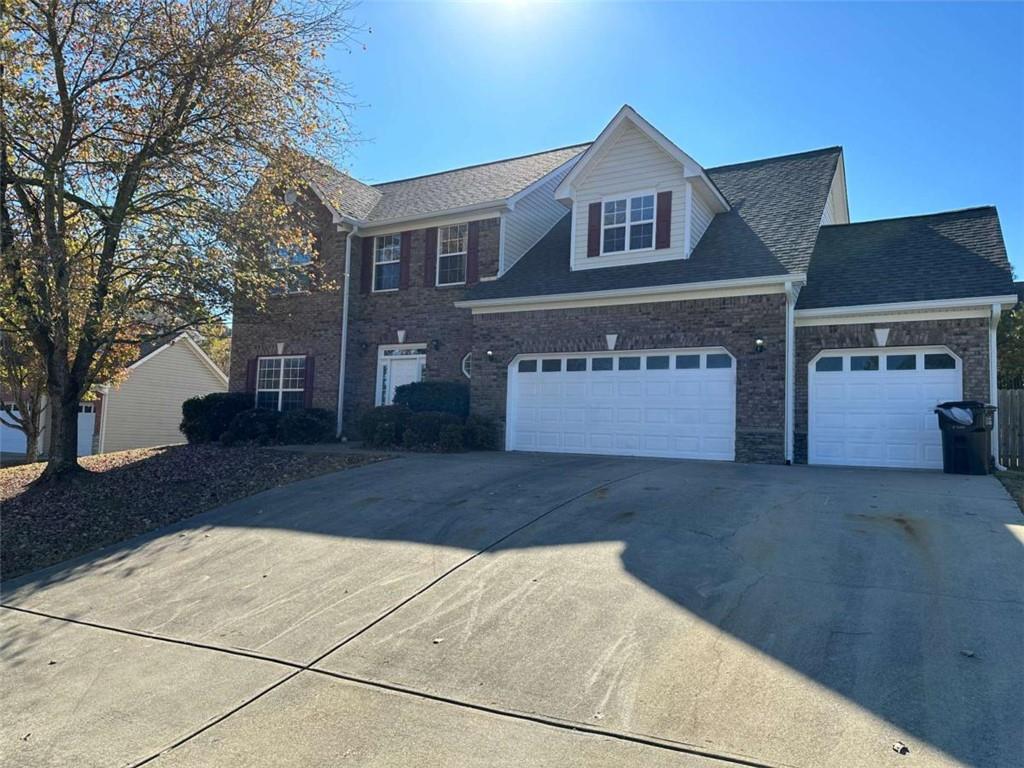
875 407
13 440
676 403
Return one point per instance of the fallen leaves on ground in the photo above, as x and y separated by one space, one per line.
127 493
1014 483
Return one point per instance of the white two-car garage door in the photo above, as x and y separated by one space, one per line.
677 403
875 407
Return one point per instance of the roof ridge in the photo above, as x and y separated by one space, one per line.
820 151
914 216
479 165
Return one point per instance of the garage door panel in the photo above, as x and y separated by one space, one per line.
879 418
644 411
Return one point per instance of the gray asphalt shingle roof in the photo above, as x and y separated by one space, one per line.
952 255
467 186
438 192
776 206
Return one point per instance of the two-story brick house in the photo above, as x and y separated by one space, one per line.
617 297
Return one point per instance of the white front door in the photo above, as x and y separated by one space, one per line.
397 365
678 403
876 407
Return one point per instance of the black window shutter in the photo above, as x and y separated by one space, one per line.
663 233
473 253
250 375
366 272
405 256
430 257
308 384
594 230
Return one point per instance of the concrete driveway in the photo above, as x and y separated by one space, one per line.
510 610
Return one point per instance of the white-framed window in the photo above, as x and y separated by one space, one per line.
281 383
292 266
467 365
451 254
387 262
627 223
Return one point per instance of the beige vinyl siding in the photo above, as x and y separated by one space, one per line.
534 215
701 219
631 163
145 410
834 212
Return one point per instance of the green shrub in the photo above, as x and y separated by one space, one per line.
256 425
423 430
452 438
435 396
205 419
481 433
303 426
383 427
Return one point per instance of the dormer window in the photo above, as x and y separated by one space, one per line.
628 224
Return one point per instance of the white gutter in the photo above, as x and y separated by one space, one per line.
792 292
339 424
993 380
907 306
634 292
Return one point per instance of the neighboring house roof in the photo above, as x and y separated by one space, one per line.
952 255
436 193
770 230
149 350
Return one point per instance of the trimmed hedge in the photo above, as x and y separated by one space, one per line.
205 419
435 397
303 426
391 426
423 430
256 425
383 427
481 433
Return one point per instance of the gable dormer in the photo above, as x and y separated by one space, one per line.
636 197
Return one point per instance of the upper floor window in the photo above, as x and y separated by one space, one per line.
293 270
451 254
281 383
628 224
387 265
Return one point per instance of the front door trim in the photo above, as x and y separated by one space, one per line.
411 351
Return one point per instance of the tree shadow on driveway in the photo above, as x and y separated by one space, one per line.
805 615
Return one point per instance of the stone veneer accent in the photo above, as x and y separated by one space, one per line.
967 338
733 323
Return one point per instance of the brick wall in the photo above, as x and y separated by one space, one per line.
426 314
733 323
305 323
967 338
310 323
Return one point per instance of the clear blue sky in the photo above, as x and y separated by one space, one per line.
926 99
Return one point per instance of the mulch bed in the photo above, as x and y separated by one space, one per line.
127 493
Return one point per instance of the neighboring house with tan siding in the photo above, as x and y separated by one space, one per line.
144 410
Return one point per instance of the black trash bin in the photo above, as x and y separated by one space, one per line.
966 444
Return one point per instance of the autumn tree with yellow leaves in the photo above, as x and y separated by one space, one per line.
144 145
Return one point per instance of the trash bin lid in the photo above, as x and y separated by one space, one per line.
959 415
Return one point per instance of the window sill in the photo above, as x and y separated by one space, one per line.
385 290
450 285
626 259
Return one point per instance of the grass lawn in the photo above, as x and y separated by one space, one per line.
127 493
1014 484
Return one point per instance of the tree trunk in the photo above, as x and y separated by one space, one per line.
62 458
31 444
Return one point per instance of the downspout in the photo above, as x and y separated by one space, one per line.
993 380
791 295
344 330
